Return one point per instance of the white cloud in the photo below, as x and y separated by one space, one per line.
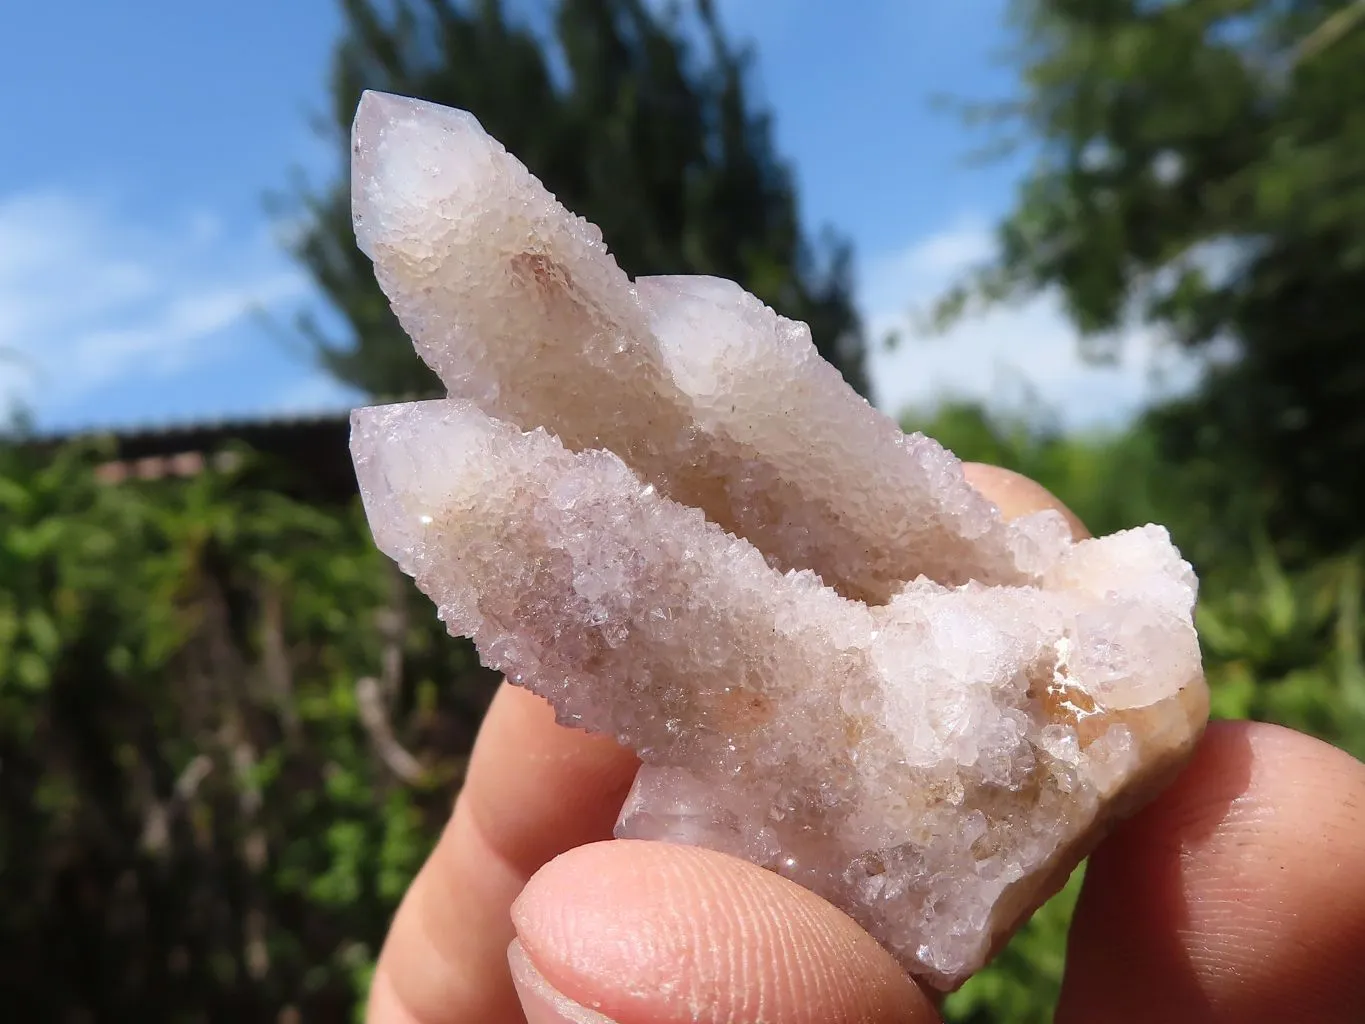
90 298
1010 355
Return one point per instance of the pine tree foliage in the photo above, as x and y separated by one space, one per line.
639 121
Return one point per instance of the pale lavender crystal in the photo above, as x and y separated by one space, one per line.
706 393
654 505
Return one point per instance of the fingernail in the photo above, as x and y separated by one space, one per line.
540 1001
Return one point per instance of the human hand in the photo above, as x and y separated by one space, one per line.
1237 896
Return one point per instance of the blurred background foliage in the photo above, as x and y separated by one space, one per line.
229 731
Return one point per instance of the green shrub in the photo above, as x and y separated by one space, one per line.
197 821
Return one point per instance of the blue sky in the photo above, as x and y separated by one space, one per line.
141 280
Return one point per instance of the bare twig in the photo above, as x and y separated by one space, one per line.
1330 31
393 624
192 777
374 717
275 666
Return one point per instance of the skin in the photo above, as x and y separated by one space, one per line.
1237 896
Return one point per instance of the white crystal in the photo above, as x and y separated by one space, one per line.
656 506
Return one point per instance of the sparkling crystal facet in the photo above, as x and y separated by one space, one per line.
655 505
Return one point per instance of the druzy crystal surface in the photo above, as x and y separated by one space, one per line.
653 504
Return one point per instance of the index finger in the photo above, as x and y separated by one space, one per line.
534 790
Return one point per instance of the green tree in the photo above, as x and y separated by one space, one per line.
641 122
1200 165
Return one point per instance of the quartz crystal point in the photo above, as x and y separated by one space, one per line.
653 504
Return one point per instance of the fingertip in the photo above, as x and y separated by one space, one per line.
650 932
533 788
1238 895
1017 495
537 788
383 1005
541 1002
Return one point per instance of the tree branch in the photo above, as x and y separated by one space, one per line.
375 719
1330 31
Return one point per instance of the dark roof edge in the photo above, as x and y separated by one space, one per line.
224 425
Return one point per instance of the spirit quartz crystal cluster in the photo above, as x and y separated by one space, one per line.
656 506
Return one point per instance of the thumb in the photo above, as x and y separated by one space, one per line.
648 933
